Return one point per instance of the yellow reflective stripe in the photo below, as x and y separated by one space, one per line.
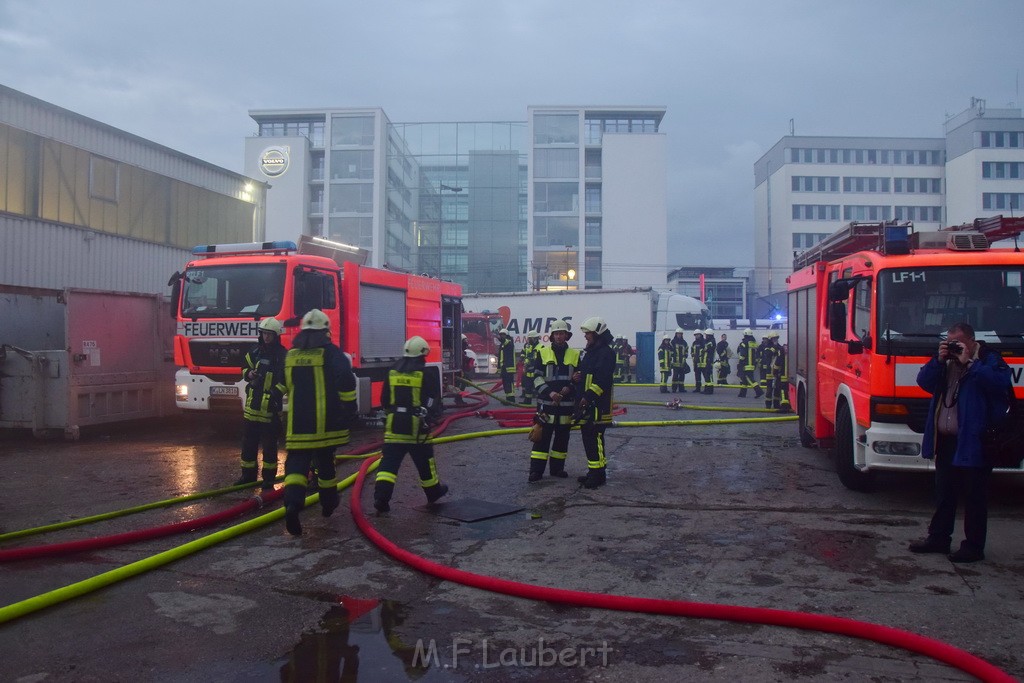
321 407
327 483
387 477
433 476
537 455
248 464
347 395
295 479
558 456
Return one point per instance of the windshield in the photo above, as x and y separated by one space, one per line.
917 306
233 291
482 327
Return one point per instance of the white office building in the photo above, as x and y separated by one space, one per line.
807 187
574 197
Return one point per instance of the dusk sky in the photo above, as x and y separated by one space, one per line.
732 74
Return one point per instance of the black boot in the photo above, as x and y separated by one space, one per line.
709 389
664 389
758 393
291 520
557 468
743 393
329 499
248 477
435 492
382 491
536 470
595 477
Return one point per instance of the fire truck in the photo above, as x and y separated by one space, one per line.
868 307
481 330
222 295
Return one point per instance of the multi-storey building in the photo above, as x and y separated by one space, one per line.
495 206
807 187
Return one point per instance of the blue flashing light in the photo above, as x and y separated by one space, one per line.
778 316
243 248
897 239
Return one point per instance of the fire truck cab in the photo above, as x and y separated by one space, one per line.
868 307
223 294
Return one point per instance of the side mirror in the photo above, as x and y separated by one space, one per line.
854 347
839 290
837 321
175 283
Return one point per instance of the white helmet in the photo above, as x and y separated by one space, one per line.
271 325
748 332
709 331
680 330
596 325
698 333
560 326
533 335
316 320
415 347
465 338
774 334
666 338
503 330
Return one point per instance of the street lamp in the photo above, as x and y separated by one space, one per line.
440 221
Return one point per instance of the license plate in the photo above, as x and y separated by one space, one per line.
223 391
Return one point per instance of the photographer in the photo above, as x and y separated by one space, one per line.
263 373
969 384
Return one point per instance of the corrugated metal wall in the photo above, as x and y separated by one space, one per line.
40 254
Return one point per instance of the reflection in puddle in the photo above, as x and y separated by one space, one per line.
357 641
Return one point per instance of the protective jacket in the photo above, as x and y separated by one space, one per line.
666 356
682 349
981 399
321 392
263 390
506 355
553 369
597 368
411 397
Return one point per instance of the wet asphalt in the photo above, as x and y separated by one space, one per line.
723 514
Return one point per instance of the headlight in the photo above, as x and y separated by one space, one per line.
896 448
181 392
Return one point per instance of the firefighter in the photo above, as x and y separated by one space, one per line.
529 352
769 355
411 397
625 356
764 363
679 365
507 364
666 355
709 361
263 372
593 384
554 366
468 359
746 364
321 401
724 354
780 398
697 353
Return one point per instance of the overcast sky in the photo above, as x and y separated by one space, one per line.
731 73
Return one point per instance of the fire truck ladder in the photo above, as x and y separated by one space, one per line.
994 228
849 239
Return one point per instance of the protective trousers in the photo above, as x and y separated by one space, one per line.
723 372
554 443
422 455
297 466
255 435
593 444
508 380
678 380
746 378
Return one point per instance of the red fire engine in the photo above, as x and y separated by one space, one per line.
223 294
867 308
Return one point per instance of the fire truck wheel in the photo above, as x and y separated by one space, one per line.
851 477
806 440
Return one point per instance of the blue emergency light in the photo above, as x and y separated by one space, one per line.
897 239
243 247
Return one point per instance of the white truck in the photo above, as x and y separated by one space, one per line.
627 311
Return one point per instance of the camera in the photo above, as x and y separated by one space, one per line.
954 348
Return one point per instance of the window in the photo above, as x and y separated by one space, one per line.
352 198
357 230
593 199
804 183
1002 169
314 289
219 291
806 240
355 164
352 130
994 201
556 163
924 214
593 232
103 179
556 129
862 309
592 264
555 231
815 212
593 164
852 212
1002 139
556 197
865 184
917 185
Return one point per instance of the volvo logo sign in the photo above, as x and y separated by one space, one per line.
274 161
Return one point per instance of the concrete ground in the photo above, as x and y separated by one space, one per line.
735 514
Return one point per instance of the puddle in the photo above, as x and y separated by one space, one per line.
356 640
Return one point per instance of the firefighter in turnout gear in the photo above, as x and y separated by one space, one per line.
780 376
763 370
263 372
411 396
746 364
593 383
321 401
709 361
697 353
724 354
529 353
666 354
769 355
679 365
554 366
507 364
623 354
